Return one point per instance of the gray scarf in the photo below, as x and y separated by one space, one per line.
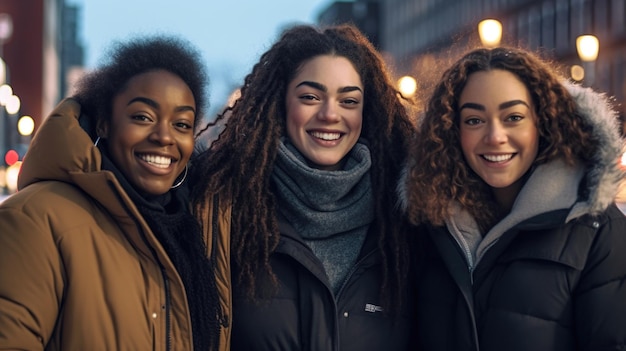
331 210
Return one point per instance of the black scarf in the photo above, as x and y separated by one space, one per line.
180 235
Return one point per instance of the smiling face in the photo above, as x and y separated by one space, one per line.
499 136
325 110
150 134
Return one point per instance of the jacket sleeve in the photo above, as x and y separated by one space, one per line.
31 281
600 297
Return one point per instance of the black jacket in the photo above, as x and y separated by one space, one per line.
304 315
549 276
554 288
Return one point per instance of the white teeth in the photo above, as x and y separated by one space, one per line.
326 136
157 161
498 158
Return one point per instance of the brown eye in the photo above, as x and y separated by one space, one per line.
142 118
184 125
472 121
308 97
515 118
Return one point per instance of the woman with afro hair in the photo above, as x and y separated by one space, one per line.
99 248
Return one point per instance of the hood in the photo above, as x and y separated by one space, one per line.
60 148
63 151
604 175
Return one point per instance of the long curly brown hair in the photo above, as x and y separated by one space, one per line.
239 164
438 173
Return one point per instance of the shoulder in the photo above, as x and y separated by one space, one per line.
601 240
45 195
51 206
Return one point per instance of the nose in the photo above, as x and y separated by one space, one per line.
162 134
496 134
329 111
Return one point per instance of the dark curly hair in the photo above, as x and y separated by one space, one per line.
438 172
127 59
240 162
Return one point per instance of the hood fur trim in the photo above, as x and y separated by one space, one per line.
604 175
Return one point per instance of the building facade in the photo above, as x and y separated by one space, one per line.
364 14
423 36
38 47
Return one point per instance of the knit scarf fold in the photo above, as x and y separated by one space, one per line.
331 210
180 235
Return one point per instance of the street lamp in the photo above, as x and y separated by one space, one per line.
588 47
577 72
490 32
407 86
25 125
13 104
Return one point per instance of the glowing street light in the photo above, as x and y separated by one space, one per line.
577 72
407 86
5 92
13 104
26 125
11 175
490 32
588 47
6 27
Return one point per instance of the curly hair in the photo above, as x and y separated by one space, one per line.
438 172
239 163
125 60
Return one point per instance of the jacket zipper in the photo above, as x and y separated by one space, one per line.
462 243
340 292
341 289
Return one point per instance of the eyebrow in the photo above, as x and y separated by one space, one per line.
502 106
323 88
156 105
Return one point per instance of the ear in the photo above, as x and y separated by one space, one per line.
102 129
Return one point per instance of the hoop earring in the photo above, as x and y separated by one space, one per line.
97 141
180 182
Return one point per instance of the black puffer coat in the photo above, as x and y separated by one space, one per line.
549 276
304 315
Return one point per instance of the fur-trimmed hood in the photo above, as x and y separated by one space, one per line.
605 175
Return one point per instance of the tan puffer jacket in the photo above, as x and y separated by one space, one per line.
80 268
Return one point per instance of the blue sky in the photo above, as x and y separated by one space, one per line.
230 33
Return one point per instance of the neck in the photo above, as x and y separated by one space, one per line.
505 197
